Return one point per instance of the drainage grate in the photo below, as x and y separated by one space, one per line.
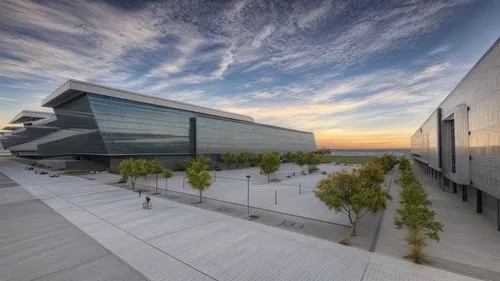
292 224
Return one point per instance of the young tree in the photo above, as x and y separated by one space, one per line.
124 168
244 158
290 156
420 223
349 193
134 168
404 164
313 160
226 159
300 158
270 163
372 173
184 164
406 177
235 159
387 162
166 174
253 159
416 216
198 176
155 168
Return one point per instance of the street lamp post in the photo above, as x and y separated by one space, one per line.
248 194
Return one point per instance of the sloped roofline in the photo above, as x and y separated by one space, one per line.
74 88
30 114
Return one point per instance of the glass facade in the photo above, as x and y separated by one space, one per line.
95 124
216 136
129 127
78 132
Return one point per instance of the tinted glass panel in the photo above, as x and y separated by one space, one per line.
216 136
78 134
129 127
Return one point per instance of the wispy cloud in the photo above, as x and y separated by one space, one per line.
312 65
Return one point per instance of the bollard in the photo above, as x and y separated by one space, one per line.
300 188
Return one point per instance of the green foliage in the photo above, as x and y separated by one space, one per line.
372 174
415 214
386 162
227 158
289 156
300 158
154 167
185 164
312 161
270 163
350 193
166 173
348 159
418 219
234 158
254 159
406 177
404 164
324 151
134 168
243 158
198 176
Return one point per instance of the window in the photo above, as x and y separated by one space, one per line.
453 151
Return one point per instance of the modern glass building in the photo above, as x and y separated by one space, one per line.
459 144
105 124
34 124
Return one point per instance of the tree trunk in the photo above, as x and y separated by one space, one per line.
156 187
201 192
166 186
354 224
132 180
268 178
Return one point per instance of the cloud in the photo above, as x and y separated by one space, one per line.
327 93
440 49
7 99
301 64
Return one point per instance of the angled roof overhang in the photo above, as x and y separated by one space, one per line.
73 89
28 116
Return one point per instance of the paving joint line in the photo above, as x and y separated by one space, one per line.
70 267
132 235
257 208
373 246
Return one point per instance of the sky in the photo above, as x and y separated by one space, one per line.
359 74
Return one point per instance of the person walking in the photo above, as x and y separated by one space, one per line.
139 193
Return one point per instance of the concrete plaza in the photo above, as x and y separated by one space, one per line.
293 194
180 242
36 243
469 244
